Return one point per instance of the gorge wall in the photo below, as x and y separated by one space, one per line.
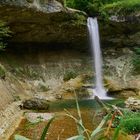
48 24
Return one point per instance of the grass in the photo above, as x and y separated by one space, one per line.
44 133
131 122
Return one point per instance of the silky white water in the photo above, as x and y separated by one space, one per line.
36 3
96 51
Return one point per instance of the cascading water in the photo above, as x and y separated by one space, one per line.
36 3
96 51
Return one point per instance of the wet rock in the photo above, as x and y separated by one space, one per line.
112 85
68 88
36 104
119 89
58 96
133 103
123 93
76 85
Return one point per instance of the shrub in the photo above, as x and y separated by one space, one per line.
70 74
130 122
122 6
105 7
132 125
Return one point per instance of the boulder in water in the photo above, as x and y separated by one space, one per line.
36 104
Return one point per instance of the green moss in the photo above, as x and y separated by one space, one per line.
70 74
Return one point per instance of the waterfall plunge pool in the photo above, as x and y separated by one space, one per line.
62 124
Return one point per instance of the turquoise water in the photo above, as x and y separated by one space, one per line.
89 103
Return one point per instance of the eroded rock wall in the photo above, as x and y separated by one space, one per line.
34 27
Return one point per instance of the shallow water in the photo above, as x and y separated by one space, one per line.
64 127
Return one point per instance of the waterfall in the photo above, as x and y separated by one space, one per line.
36 3
96 52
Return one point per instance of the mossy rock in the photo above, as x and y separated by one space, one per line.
35 104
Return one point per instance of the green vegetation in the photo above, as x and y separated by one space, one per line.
84 133
43 87
126 122
132 125
131 122
45 131
26 71
105 7
123 6
69 74
4 33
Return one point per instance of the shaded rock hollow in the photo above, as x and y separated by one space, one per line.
33 27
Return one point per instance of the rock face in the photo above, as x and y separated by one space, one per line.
49 23
120 90
120 34
41 26
133 104
47 6
36 104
